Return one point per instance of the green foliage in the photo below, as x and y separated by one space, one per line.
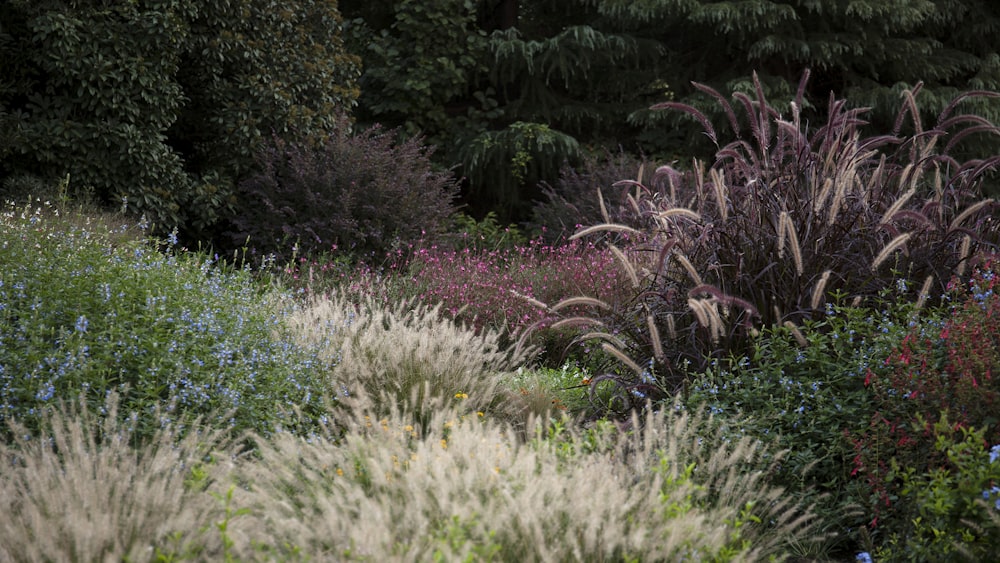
941 509
360 195
504 167
805 397
940 370
175 336
486 235
163 104
423 62
868 51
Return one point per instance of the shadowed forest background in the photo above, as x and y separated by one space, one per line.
169 106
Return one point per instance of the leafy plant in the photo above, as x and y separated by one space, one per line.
164 104
356 194
942 369
172 333
940 509
803 390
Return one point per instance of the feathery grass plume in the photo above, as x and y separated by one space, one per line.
580 301
963 252
633 276
607 336
604 208
622 356
707 312
689 268
697 306
968 212
897 205
843 182
889 248
610 227
654 337
577 321
464 487
799 337
85 491
541 306
924 292
408 351
719 187
817 293
793 242
671 326
679 212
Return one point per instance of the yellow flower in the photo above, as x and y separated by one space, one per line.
461 395
480 414
444 444
586 381
340 472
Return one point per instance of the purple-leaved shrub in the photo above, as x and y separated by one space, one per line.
359 194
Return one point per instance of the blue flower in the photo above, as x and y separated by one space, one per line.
994 453
864 557
81 324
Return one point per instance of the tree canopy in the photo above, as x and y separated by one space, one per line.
587 71
162 104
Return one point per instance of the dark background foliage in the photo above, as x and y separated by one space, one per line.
165 102
355 194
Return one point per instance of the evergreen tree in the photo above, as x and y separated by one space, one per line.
865 51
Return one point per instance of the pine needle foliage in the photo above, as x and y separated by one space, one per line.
787 214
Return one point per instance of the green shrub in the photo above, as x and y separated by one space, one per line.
803 390
164 103
941 510
172 333
359 195
938 369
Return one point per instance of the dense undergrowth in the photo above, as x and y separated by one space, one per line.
791 353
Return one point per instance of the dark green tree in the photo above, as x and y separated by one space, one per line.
163 103
866 51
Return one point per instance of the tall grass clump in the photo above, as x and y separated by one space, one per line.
461 487
405 353
83 492
84 315
788 213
